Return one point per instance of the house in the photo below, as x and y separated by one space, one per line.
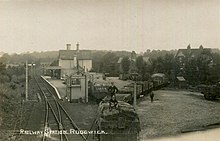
184 55
71 61
192 63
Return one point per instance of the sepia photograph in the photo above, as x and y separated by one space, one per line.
109 70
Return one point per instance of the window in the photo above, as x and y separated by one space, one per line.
75 81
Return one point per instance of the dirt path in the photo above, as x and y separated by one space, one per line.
174 112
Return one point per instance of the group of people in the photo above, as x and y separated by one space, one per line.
113 103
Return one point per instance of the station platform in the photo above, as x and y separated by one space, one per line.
59 86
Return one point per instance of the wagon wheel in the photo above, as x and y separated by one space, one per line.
213 97
206 95
210 96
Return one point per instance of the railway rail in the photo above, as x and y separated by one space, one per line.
57 121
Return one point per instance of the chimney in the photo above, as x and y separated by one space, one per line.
77 46
68 46
201 47
189 47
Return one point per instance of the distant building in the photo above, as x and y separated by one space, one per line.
71 61
147 60
181 82
133 56
119 65
183 55
192 64
12 65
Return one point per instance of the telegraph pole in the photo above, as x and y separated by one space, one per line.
135 95
134 75
26 88
77 55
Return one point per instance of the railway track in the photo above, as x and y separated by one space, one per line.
58 125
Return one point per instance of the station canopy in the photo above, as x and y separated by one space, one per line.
53 67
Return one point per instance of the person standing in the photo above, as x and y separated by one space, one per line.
113 102
112 89
151 96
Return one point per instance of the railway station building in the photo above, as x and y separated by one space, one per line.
71 61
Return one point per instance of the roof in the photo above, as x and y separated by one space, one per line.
180 78
191 52
120 60
70 54
180 54
158 75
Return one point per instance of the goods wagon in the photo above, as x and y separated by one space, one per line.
210 92
100 91
119 124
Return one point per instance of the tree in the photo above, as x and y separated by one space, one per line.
144 69
97 60
18 70
108 64
191 71
2 64
55 63
157 65
125 64
214 67
168 64
140 64
203 61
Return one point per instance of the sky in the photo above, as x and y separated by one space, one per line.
108 24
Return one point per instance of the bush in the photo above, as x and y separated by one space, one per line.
9 104
4 78
21 78
13 86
